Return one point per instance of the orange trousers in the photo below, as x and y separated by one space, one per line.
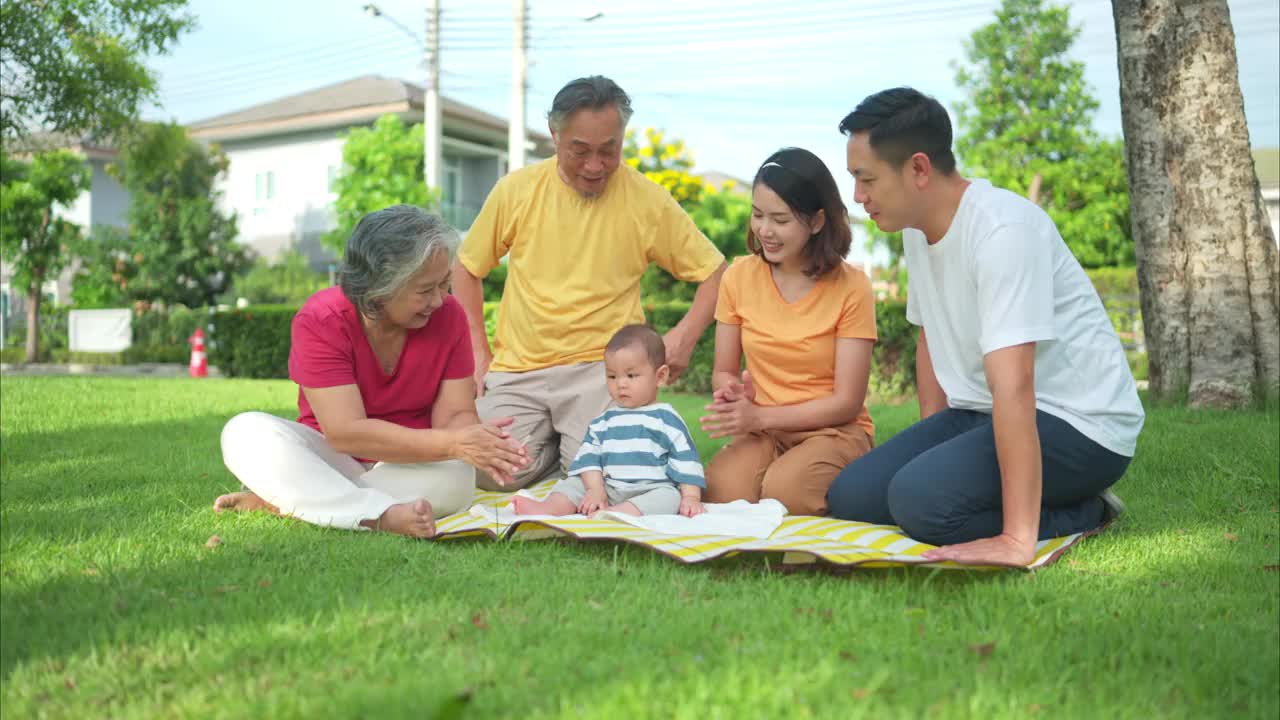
793 467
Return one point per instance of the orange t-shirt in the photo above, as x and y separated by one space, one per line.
791 347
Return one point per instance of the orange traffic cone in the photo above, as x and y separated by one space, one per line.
199 361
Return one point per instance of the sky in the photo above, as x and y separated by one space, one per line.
734 80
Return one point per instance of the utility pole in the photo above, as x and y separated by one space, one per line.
519 81
431 117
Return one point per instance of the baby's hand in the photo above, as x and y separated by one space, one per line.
594 500
691 506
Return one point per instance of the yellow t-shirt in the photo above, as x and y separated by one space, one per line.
573 276
791 347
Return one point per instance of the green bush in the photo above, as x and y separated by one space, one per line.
663 316
494 282
1118 288
893 360
86 358
252 342
53 331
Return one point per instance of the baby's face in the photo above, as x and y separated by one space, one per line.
633 380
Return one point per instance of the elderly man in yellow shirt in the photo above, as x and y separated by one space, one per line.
579 230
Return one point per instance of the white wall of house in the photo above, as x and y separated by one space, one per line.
279 187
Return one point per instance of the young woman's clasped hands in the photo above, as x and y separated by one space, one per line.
733 410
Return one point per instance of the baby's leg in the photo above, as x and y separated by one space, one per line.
564 499
654 499
555 504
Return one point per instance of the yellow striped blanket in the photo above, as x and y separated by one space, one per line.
800 539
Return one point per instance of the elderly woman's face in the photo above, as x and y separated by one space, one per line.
425 292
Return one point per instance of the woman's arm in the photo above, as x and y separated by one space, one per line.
740 415
853 370
728 363
455 404
340 412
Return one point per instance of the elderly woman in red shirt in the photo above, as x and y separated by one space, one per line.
387 436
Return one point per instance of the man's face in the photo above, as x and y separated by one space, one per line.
589 149
882 190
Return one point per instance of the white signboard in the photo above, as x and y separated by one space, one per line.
100 330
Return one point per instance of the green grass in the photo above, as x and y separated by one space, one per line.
111 605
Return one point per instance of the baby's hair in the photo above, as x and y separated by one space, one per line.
646 337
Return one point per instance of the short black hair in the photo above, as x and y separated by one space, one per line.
645 337
902 122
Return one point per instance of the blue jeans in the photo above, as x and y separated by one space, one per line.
939 480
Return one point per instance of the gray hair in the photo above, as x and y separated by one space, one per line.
386 249
595 92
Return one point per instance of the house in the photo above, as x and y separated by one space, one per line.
1266 162
105 203
285 154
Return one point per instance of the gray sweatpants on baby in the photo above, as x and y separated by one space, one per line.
651 498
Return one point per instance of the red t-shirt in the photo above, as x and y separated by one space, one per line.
330 349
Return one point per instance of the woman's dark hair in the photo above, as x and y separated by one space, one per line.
902 122
805 184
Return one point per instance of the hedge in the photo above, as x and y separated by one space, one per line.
159 336
252 342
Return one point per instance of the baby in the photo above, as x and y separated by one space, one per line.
637 458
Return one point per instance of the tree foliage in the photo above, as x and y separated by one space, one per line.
721 215
179 248
33 238
288 281
1027 126
381 166
76 66
666 162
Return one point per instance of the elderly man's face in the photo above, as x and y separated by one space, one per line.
412 306
589 149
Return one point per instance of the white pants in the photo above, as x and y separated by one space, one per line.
295 469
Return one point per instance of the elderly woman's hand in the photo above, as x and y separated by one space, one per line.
489 448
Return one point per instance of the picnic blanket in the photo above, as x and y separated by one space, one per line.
800 539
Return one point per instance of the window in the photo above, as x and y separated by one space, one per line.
450 180
264 186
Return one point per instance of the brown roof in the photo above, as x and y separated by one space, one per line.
344 101
43 141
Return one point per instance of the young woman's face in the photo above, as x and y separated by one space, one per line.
781 234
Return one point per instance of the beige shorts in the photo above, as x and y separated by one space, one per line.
552 408
650 498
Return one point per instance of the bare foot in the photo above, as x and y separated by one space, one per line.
413 519
625 508
241 502
557 504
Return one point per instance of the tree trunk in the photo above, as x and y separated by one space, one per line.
1207 262
33 317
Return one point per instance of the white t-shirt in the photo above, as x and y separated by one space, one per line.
1002 276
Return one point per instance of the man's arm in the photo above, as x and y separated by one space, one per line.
681 339
1011 377
469 291
928 390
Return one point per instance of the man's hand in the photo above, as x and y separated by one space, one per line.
1004 550
679 352
483 358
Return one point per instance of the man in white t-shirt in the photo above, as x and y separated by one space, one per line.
1029 412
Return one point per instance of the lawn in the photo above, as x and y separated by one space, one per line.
112 605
